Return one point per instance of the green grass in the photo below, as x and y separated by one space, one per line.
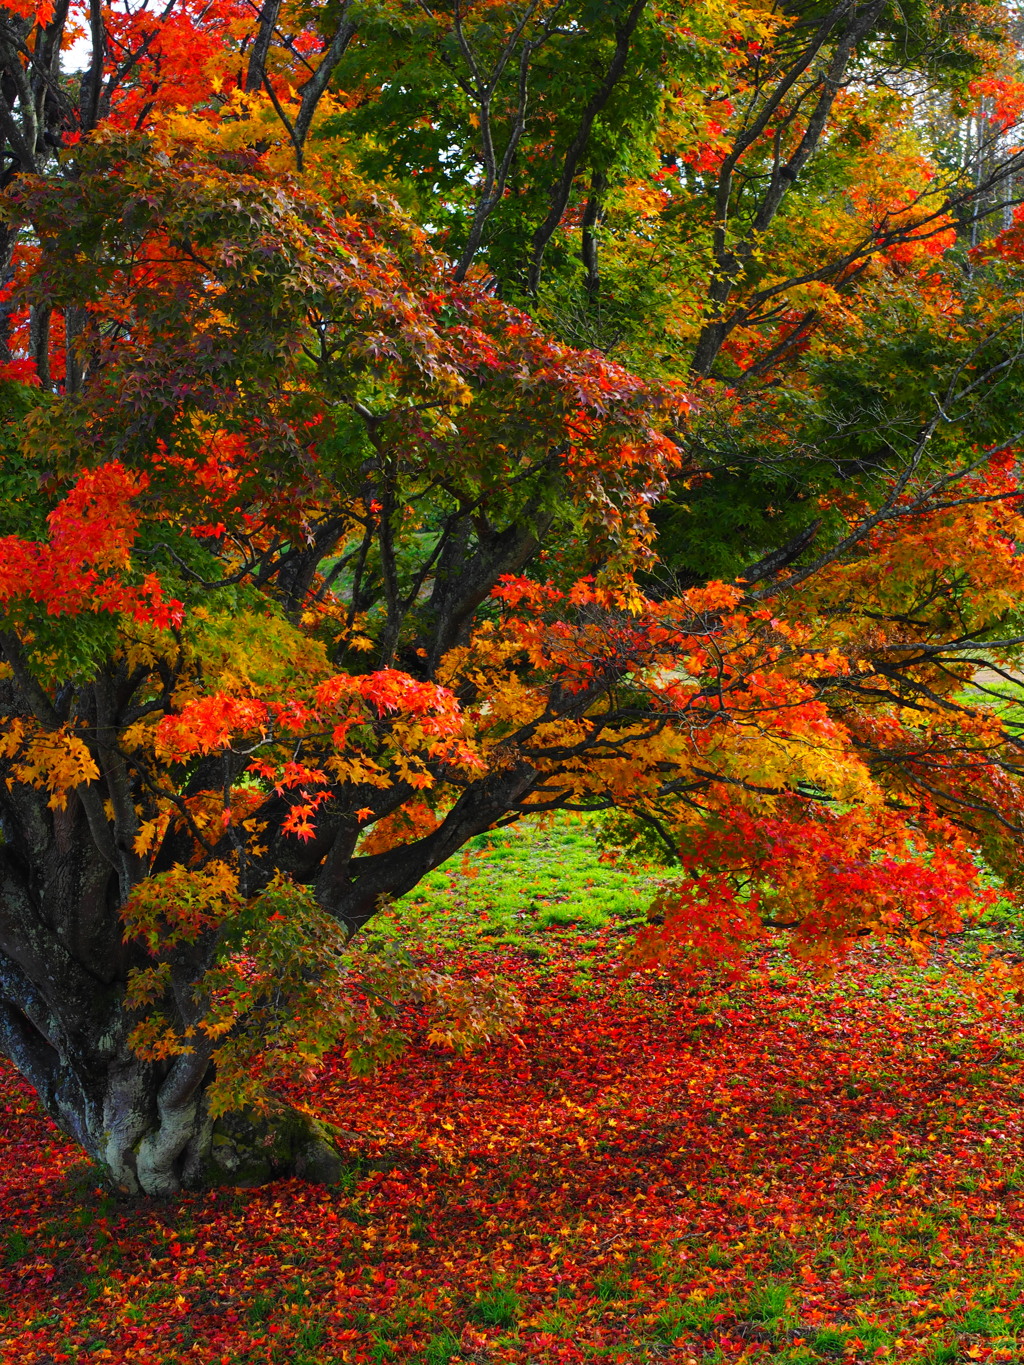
514 884
499 1307
769 1301
442 1348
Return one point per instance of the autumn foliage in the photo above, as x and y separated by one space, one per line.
423 421
782 1169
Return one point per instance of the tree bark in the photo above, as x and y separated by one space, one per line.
65 1026
147 1125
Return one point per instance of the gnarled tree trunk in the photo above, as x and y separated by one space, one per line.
147 1124
64 1025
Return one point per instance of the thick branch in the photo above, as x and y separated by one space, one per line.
580 141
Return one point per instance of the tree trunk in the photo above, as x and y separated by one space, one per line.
148 1124
63 1023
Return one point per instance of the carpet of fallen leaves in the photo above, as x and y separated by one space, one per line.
787 1169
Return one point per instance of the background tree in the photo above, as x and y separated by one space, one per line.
327 546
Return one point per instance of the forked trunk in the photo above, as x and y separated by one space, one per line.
64 1025
149 1128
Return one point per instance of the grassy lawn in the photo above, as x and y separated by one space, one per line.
515 884
789 1169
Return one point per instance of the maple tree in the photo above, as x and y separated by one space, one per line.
428 419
